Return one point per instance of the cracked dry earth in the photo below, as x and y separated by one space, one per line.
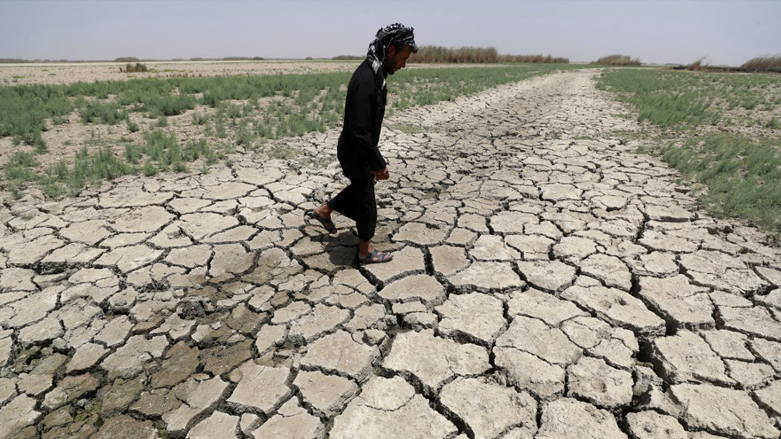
547 283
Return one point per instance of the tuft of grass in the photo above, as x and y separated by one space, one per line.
132 126
200 118
19 168
133 153
193 150
162 122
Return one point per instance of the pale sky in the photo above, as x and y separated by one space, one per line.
659 31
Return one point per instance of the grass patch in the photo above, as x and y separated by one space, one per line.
683 100
108 113
743 175
60 178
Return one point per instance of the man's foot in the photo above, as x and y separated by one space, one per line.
325 222
375 257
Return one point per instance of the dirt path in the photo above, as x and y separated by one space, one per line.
547 283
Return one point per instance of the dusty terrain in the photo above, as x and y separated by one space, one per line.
547 283
66 73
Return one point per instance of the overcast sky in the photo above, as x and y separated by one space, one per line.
659 31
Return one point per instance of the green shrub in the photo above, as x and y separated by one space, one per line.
19 167
133 153
132 126
200 118
101 112
169 105
195 149
24 110
149 169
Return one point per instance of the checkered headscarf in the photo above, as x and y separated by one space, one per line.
392 34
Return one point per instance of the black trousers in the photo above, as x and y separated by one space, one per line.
357 202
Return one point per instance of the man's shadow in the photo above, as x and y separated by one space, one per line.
341 248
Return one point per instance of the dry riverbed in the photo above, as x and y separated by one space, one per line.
547 282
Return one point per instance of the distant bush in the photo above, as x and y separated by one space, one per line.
617 60
130 68
700 64
347 58
127 59
765 63
242 58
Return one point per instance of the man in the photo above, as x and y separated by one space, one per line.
357 148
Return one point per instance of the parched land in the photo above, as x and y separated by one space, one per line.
66 73
548 282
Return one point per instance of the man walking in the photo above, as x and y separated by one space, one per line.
357 148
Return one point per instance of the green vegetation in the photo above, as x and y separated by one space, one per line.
24 110
108 113
743 175
741 169
683 100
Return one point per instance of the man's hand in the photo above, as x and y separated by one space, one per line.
382 174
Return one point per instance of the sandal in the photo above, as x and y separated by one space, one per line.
375 257
327 224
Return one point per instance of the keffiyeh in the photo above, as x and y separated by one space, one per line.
391 34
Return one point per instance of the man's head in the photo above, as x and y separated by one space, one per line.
399 43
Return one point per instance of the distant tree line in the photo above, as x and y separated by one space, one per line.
472 55
478 55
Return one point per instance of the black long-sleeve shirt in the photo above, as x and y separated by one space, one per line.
364 109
